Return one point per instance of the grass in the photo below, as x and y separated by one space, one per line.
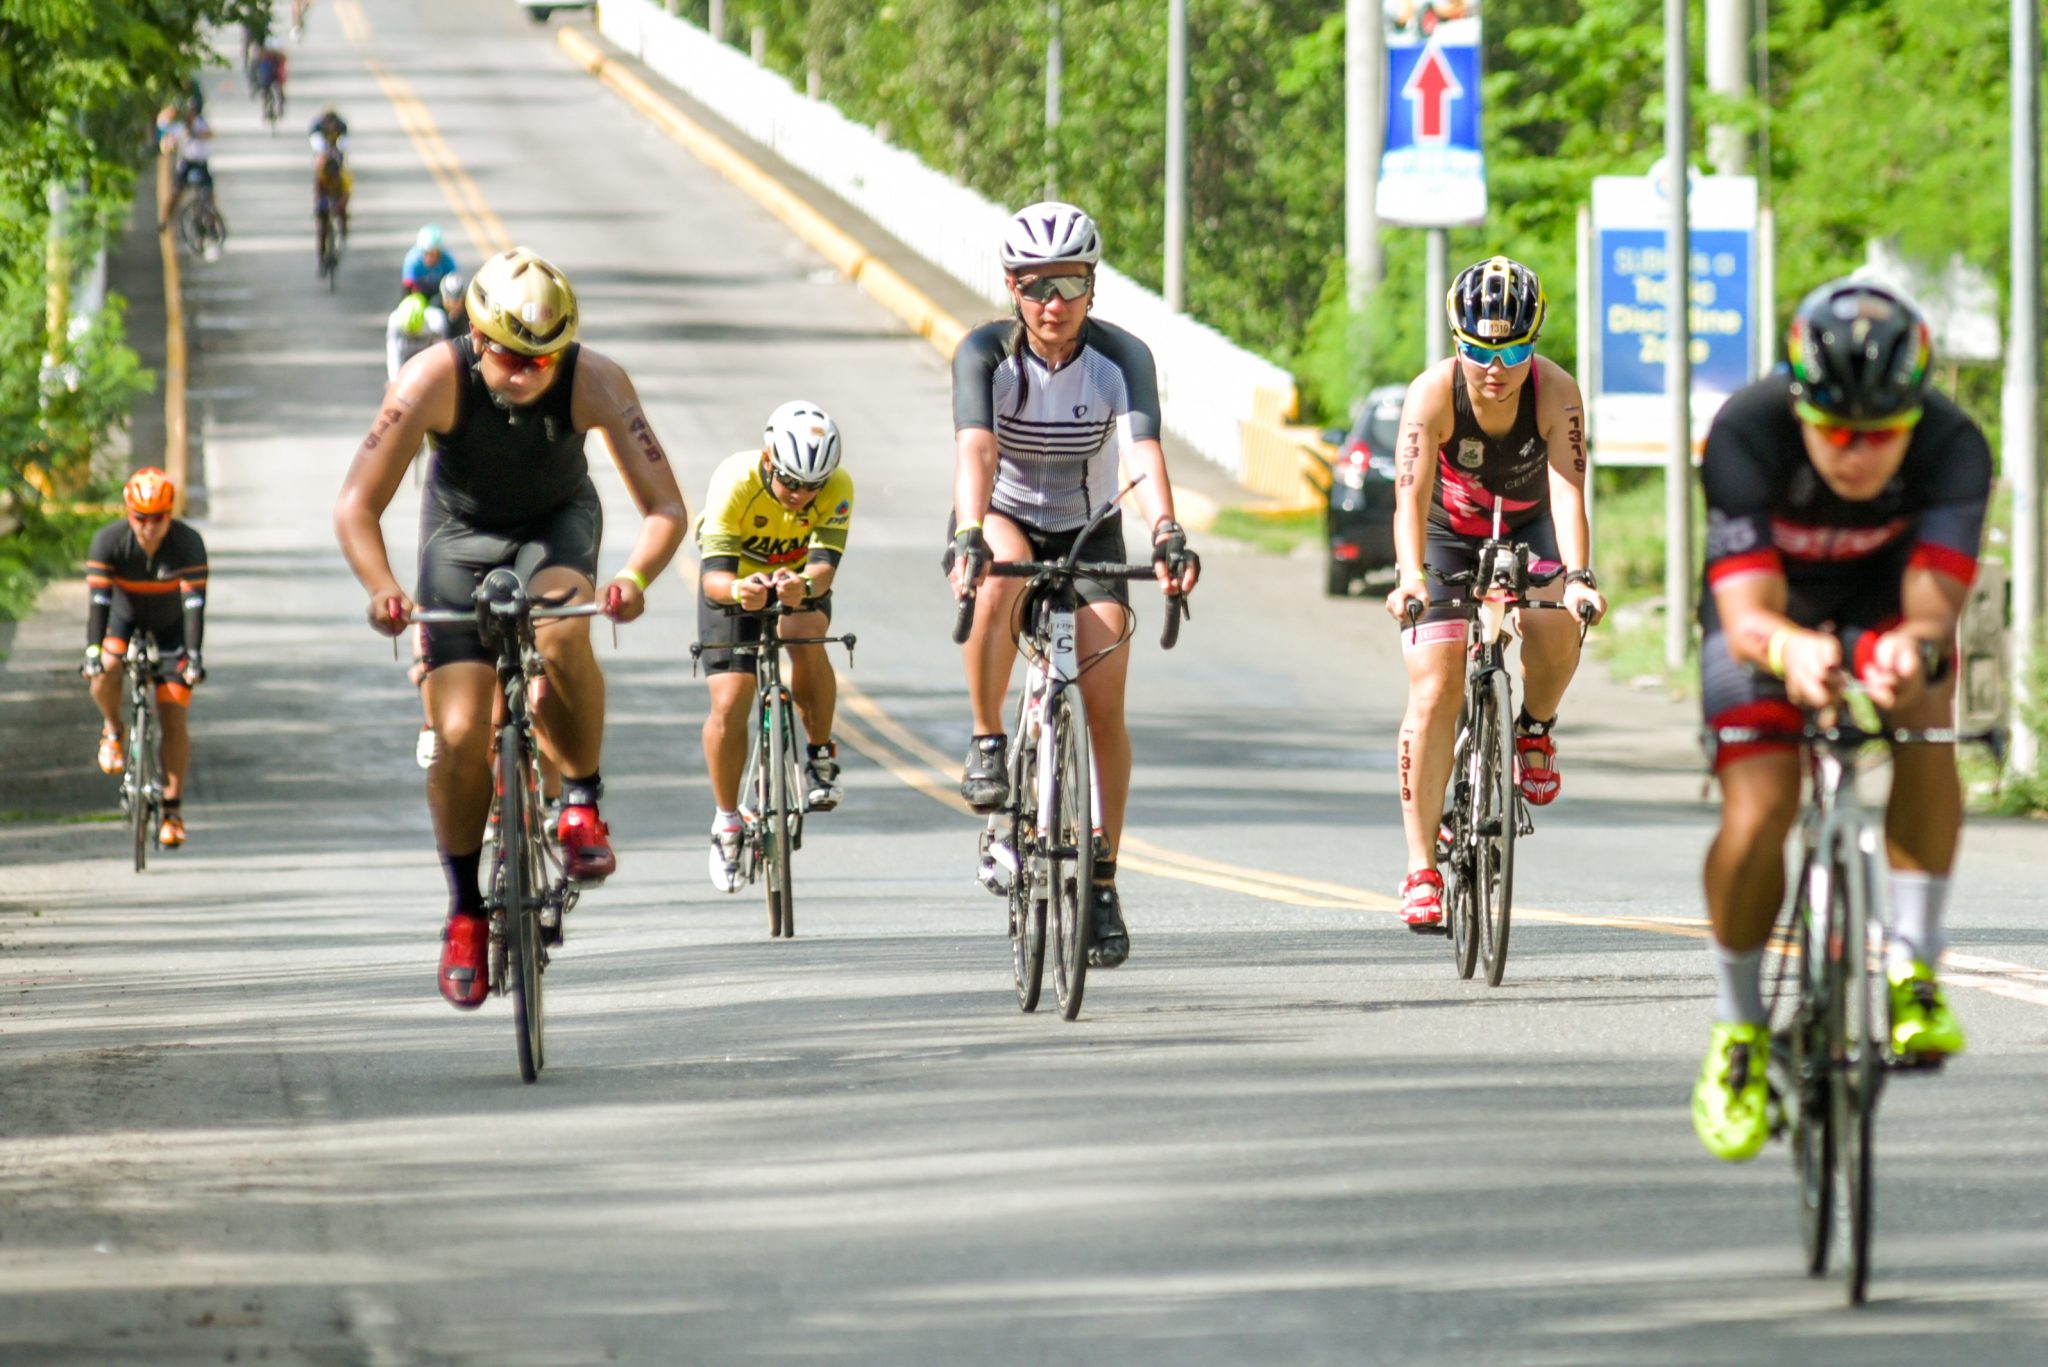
1278 533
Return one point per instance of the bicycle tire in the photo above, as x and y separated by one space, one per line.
517 828
1859 1073
776 816
1027 911
1806 1037
1069 852
1461 901
1494 805
138 770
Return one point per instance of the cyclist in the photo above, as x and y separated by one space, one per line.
1495 426
147 570
332 181
1045 404
774 525
427 264
411 328
452 286
190 140
1845 505
267 67
505 407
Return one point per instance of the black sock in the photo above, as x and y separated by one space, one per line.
582 792
1105 870
465 895
829 750
171 805
1529 726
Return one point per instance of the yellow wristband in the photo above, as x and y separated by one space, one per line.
634 577
1414 576
966 527
810 588
1774 652
736 590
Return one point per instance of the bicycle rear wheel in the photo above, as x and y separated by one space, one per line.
1069 852
1027 902
777 818
1493 803
519 829
1859 1071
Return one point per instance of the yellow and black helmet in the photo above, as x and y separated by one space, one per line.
1496 302
521 302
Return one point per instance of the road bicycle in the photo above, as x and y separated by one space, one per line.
200 225
530 892
771 790
1484 812
329 247
273 104
142 780
1829 1003
1038 851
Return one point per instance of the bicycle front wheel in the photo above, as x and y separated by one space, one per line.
1859 1069
1069 850
1027 901
1805 1040
1493 805
778 818
1461 898
138 781
519 831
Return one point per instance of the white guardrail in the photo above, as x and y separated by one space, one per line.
1210 387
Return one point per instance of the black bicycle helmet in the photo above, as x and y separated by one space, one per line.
1496 302
1859 355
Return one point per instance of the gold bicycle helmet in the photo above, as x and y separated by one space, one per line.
520 301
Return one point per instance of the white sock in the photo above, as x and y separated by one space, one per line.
1917 903
1738 985
724 820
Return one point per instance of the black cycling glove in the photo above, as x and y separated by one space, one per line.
970 548
1170 547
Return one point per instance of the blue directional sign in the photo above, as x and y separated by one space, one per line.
1432 170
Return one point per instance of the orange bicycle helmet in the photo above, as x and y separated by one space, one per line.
150 492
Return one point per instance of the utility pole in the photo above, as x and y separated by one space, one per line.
1055 66
2021 405
1728 72
1678 338
1436 283
1364 136
1176 154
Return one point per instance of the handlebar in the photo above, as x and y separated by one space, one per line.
963 620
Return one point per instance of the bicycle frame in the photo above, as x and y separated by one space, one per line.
142 780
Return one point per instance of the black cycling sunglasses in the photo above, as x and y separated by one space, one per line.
1040 289
796 487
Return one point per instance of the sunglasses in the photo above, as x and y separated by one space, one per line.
1511 355
796 488
1842 435
518 360
149 519
1040 289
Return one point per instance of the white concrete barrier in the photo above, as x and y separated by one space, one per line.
1210 387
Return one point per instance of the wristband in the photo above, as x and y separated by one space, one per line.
966 527
1414 575
633 577
736 591
1774 651
810 589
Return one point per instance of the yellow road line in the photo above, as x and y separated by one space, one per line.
881 281
354 23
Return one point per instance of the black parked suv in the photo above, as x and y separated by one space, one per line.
1361 514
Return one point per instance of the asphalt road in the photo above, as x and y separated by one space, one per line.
238 1124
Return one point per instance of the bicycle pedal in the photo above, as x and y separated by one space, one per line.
1916 1063
992 876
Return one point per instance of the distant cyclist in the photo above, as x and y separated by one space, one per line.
1845 507
506 405
1495 427
773 526
1045 405
190 140
427 264
332 181
147 571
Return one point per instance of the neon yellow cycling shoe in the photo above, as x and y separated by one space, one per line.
1731 1100
1921 1020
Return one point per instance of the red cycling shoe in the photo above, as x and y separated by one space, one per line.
586 845
1422 900
465 940
1536 765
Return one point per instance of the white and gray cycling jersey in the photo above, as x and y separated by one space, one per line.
1056 460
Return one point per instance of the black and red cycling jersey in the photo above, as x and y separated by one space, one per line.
1475 469
1769 511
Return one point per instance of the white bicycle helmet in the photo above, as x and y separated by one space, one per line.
1050 231
802 442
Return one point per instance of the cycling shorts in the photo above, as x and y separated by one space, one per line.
455 557
1447 552
1105 546
719 630
170 653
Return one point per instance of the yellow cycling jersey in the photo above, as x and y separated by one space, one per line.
741 518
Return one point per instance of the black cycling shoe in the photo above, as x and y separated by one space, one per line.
986 784
1112 940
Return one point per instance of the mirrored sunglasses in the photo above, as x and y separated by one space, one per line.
1511 355
1040 289
518 360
